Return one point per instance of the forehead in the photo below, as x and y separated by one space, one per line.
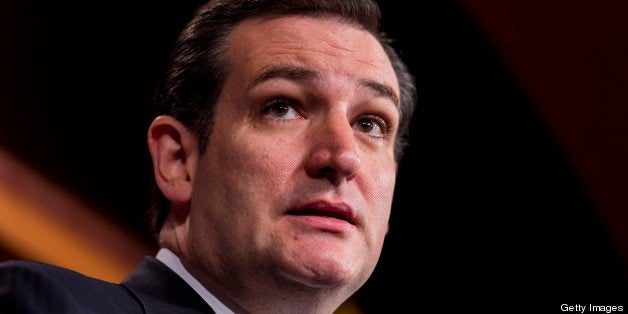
323 44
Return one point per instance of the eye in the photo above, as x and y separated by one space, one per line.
280 109
371 125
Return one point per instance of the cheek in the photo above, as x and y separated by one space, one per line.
237 188
379 182
261 160
378 191
249 168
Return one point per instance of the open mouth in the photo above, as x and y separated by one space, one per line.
338 214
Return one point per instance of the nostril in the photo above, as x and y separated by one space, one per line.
327 170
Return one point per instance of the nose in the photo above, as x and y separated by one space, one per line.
334 153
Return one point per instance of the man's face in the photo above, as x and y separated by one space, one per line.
297 182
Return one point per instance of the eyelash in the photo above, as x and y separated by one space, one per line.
374 117
377 119
269 106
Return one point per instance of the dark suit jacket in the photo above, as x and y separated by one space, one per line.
32 287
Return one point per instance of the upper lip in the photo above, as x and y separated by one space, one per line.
326 209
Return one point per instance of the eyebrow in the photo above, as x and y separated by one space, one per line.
286 72
382 90
298 74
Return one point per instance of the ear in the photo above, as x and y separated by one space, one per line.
174 151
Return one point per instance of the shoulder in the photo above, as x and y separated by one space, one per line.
27 286
33 270
35 275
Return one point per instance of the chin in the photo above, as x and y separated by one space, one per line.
326 273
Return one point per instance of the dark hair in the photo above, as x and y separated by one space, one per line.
197 67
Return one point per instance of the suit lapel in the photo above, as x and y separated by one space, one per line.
160 290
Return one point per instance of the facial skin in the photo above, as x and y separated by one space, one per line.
303 134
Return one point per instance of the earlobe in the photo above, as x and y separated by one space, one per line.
174 152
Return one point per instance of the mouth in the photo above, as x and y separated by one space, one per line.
336 211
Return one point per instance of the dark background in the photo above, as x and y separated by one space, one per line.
497 204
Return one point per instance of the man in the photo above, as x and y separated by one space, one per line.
275 147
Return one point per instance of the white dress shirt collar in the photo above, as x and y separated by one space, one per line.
174 263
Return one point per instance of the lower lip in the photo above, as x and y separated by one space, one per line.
323 223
